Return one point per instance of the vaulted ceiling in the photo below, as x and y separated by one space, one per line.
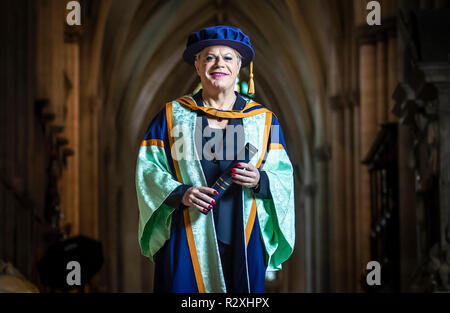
142 67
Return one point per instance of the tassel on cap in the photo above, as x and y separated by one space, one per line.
251 84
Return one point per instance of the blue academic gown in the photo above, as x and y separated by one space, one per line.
173 266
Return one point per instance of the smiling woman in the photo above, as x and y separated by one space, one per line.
199 244
218 67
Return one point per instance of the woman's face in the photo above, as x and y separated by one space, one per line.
218 67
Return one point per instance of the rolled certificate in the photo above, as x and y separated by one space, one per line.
224 181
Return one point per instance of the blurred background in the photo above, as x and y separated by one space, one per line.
365 111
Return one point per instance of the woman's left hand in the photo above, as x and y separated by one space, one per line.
245 174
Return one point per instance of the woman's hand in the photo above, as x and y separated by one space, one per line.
198 197
245 174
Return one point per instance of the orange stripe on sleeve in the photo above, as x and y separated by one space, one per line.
153 142
274 146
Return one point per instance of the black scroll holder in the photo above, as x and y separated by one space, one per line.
224 181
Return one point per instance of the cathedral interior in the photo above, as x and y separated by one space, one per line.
365 110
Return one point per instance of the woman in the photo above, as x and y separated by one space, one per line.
199 244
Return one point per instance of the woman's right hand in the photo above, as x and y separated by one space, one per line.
198 198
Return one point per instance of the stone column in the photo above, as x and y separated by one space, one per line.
349 198
368 98
70 184
339 236
357 190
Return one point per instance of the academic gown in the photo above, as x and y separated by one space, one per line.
243 263
226 212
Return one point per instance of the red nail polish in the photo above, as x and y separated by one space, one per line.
210 206
233 174
213 202
239 164
233 170
205 210
216 192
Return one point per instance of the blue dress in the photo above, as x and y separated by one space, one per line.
173 265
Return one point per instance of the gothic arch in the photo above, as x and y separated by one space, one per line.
141 70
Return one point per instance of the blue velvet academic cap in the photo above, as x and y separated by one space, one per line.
219 36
